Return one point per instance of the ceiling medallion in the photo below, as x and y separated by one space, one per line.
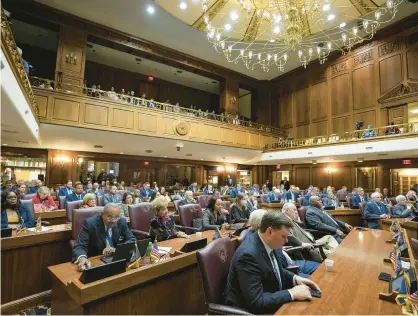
268 33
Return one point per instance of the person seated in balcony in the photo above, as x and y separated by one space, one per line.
403 208
46 85
43 200
67 189
89 200
215 215
208 190
112 197
369 132
188 199
161 227
151 104
112 95
144 100
177 107
239 209
359 198
77 195
392 130
411 196
13 212
375 210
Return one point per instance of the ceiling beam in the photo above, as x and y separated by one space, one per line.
210 13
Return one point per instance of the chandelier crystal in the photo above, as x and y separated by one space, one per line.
268 33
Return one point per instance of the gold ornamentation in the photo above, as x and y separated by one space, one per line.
71 59
182 128
404 89
9 47
363 58
339 68
389 48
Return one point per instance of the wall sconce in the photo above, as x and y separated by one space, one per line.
230 169
71 59
330 170
62 160
220 169
80 160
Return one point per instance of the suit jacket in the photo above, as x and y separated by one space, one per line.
193 189
289 197
401 211
239 214
356 200
229 182
111 198
32 190
235 191
286 184
252 283
74 197
321 220
306 199
373 210
146 193
92 238
96 191
212 222
272 197
64 192
251 206
299 235
23 213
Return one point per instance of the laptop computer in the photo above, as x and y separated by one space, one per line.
275 201
329 208
194 245
6 232
103 271
123 251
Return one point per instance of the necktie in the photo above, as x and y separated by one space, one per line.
109 241
275 268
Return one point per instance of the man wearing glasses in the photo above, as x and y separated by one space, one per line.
375 210
100 234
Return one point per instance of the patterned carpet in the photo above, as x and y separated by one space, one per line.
44 309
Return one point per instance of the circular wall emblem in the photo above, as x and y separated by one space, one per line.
182 128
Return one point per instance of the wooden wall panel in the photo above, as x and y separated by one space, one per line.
412 64
65 110
368 118
342 177
319 177
302 131
390 72
227 135
96 115
241 138
319 101
147 123
301 103
303 176
363 87
123 119
319 129
42 102
286 110
398 114
340 94
340 125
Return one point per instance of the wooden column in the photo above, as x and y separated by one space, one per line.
62 166
229 96
71 56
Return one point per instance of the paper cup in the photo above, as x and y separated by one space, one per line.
329 265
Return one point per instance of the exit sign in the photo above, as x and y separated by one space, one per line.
406 161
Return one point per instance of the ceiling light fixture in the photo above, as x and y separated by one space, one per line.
183 5
150 9
298 27
4 144
414 111
314 162
360 159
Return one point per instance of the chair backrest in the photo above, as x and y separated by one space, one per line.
362 204
79 216
188 213
264 198
176 205
70 206
203 201
29 205
121 192
28 196
300 200
140 216
393 200
130 189
214 261
342 197
350 201
302 212
100 201
62 202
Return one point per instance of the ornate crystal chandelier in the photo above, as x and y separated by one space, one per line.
270 32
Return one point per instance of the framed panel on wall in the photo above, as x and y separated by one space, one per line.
366 178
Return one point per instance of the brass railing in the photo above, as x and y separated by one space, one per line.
129 99
390 131
9 48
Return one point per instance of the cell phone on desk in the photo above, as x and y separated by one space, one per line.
385 277
315 293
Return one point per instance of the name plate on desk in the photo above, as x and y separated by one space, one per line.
103 271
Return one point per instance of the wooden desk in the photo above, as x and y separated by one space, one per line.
24 262
272 206
168 287
347 215
353 287
54 217
406 223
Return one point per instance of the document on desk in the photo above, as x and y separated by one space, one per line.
406 265
43 229
164 250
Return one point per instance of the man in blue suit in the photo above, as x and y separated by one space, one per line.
237 190
228 181
375 210
403 208
292 195
194 188
275 195
101 234
68 189
77 195
257 281
34 189
359 198
313 192
146 191
318 219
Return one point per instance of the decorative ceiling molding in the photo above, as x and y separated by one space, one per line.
403 90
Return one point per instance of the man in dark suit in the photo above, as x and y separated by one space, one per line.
291 194
67 190
77 195
34 189
359 198
285 183
112 197
403 208
100 234
194 188
228 181
375 210
269 185
318 219
313 192
257 281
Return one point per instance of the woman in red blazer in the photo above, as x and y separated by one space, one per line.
43 198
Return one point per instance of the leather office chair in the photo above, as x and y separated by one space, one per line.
300 200
214 261
176 205
100 201
203 201
28 196
302 213
263 198
393 200
362 204
187 214
79 216
341 197
139 219
29 205
121 192
227 205
70 206
350 201
61 200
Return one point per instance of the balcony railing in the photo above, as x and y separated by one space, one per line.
9 48
391 131
125 98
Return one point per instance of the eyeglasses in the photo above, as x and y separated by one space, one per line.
113 219
12 197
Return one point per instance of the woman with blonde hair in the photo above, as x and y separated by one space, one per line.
44 200
89 200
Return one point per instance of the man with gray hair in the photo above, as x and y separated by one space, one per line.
403 208
375 210
300 237
101 234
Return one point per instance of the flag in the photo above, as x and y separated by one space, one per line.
155 254
402 294
398 264
137 259
394 227
400 240
217 234
412 300
393 256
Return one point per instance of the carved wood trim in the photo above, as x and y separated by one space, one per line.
390 48
339 69
402 90
363 58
